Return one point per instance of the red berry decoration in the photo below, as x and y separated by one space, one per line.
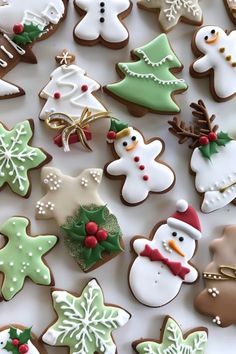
145 178
91 228
212 136
23 348
57 95
203 140
90 242
101 235
15 342
111 135
84 88
18 28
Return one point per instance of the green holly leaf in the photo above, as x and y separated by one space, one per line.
223 139
25 336
112 243
13 333
11 348
117 125
75 232
96 215
30 34
209 149
92 256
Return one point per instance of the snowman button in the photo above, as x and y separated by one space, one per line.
141 167
102 11
145 178
136 159
102 19
102 4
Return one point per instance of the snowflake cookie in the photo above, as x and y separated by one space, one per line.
17 157
85 323
173 11
23 256
174 341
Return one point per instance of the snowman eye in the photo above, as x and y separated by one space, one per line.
125 143
213 31
181 239
174 234
133 138
206 38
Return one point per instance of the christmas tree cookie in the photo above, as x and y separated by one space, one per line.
174 341
137 164
149 83
17 157
92 233
23 257
74 311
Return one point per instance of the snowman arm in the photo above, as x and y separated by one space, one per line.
117 168
192 276
139 245
82 4
154 148
202 65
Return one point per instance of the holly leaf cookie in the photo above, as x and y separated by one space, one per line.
23 256
85 323
174 341
17 157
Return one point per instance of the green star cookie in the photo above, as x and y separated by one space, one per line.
22 257
17 157
85 323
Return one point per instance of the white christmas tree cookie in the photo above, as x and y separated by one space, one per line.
163 260
137 164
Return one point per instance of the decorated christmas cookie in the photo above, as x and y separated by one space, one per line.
137 164
174 341
163 260
217 300
92 233
23 257
22 23
212 158
216 52
16 339
231 8
17 157
149 83
84 322
102 22
173 11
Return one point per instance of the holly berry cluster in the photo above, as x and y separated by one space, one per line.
206 139
22 348
94 235
18 342
26 33
209 144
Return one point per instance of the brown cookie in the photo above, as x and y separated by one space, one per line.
231 9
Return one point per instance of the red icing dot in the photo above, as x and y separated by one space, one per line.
84 88
57 95
212 136
145 178
91 228
101 235
18 28
15 342
141 167
90 242
23 348
136 159
203 140
111 135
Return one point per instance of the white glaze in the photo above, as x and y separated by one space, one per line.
5 337
8 89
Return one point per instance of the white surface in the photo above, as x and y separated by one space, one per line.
33 304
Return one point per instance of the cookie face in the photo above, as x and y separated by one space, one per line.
18 157
174 341
74 311
171 12
163 260
137 164
102 22
211 161
23 256
217 299
92 233
215 50
231 9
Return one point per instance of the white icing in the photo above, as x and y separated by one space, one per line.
10 55
111 30
217 320
213 58
152 282
68 80
136 189
19 50
214 292
5 337
8 89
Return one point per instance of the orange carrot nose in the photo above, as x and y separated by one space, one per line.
175 248
132 146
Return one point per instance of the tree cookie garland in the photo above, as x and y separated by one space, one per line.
17 157
231 9
92 233
149 84
212 158
101 22
137 164
174 341
173 11
84 322
163 260
23 256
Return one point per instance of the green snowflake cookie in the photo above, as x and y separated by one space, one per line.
17 157
173 341
85 323
22 257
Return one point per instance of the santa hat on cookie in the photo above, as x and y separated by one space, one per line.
186 219
117 130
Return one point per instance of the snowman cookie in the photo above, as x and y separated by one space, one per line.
216 52
137 164
102 22
212 160
163 260
171 12
231 9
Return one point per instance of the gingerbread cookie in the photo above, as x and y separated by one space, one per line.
137 164
173 11
22 23
23 256
18 157
92 233
149 83
163 260
215 51
217 300
212 157
74 311
101 22
174 341
231 9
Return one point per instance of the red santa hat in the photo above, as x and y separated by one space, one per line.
186 219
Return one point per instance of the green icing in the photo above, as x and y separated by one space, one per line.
174 342
212 148
21 257
149 82
23 336
85 323
29 35
17 157
118 125
75 234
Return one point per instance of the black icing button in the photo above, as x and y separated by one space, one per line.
102 4
102 19
102 11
